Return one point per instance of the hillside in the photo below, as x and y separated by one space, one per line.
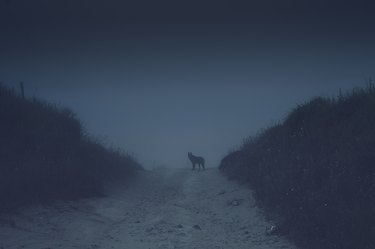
314 173
46 154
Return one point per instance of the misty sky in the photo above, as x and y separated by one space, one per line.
161 78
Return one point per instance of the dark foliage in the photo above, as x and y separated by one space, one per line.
315 172
45 154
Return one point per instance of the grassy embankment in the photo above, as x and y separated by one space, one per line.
314 173
45 154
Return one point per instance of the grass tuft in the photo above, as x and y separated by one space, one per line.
314 173
45 154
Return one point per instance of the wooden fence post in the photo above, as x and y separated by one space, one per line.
22 90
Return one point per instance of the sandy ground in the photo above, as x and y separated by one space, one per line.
161 209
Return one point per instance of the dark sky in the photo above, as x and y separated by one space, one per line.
159 78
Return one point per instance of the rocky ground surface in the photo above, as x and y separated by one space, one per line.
160 209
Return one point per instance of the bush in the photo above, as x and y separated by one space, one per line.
315 171
45 154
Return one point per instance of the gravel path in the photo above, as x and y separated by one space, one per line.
160 209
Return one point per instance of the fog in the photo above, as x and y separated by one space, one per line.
159 80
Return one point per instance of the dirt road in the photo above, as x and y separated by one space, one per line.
161 209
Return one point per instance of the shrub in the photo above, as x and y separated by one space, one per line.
315 171
45 154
